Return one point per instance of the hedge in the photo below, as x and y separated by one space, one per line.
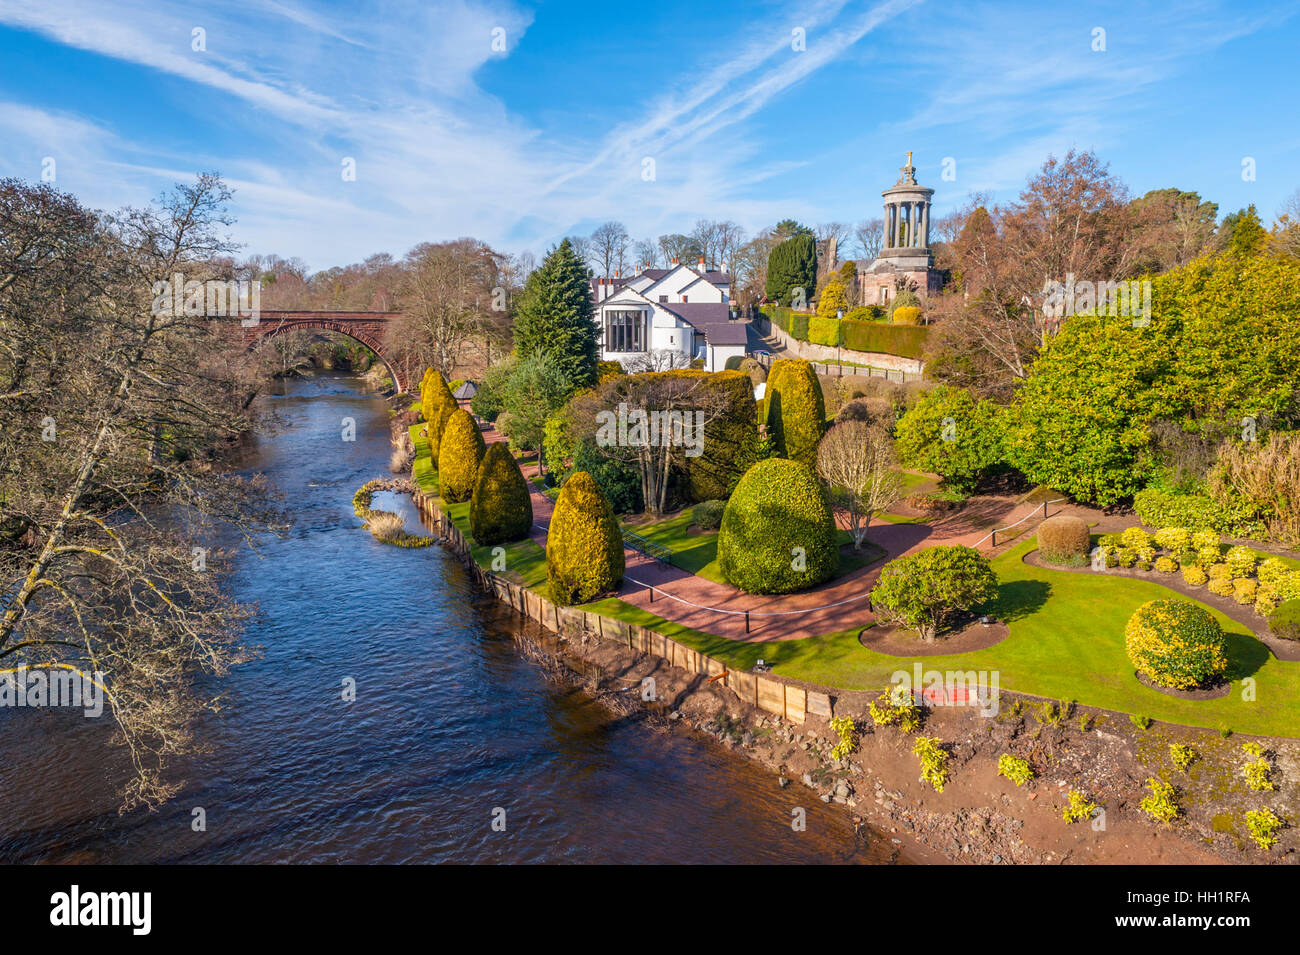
1285 620
796 409
584 547
462 450
778 531
1159 508
500 509
1063 536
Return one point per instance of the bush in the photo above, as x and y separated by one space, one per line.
437 405
906 341
877 411
1176 644
1162 804
923 590
1078 807
1166 565
500 508
950 434
1063 537
1160 508
907 315
1241 561
730 443
1272 571
1284 622
1221 586
1015 768
778 533
1193 575
1125 557
863 313
707 515
1266 601
796 410
1263 823
824 331
584 546
1243 590
1174 539
1139 542
606 370
462 450
619 481
755 370
734 362
934 761
1218 572
832 299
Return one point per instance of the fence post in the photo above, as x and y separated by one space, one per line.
747 621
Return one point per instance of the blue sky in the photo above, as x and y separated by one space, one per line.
550 136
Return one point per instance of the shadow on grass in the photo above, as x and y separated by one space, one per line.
1246 655
1018 599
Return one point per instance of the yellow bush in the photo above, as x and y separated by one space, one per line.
462 450
500 508
1174 539
907 315
1194 576
1243 590
1176 644
584 547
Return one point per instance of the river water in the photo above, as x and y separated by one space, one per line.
450 723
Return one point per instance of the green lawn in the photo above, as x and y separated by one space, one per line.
1067 642
698 553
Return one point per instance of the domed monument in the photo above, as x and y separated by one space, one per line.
905 260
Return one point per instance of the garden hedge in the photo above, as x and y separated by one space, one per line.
500 509
778 533
1176 644
584 547
462 450
824 331
796 410
858 331
1063 536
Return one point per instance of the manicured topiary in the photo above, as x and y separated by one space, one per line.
500 509
1221 586
1218 572
462 450
1166 565
1193 575
907 315
1176 644
1243 590
924 590
1284 622
584 547
1063 537
778 531
796 410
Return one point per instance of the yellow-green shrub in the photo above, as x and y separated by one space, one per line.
1272 571
1263 823
1193 575
1243 590
1176 644
462 450
1221 586
778 532
584 546
500 508
1139 542
847 731
1162 804
1205 538
1183 756
1266 600
1256 772
895 707
1078 807
1166 565
1174 539
1241 561
934 761
907 315
1015 768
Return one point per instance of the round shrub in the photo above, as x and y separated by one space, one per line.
1218 572
1205 538
1284 622
1221 586
1125 557
1244 589
1176 644
1062 537
1241 561
462 450
923 590
1272 571
778 533
733 362
584 546
796 410
951 434
707 515
863 313
1166 565
907 315
1139 542
1265 601
1193 575
877 411
1174 539
757 373
500 509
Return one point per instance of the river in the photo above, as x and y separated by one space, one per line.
450 723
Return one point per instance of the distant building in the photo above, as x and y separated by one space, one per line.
668 317
905 258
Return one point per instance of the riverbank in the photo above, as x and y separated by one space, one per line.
981 816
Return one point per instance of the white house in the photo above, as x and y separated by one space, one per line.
666 318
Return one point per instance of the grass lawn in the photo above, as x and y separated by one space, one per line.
698 553
1067 642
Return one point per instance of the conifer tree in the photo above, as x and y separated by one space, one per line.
555 316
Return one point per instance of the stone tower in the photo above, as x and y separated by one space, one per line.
905 251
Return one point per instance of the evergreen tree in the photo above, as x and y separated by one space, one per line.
555 316
1243 233
793 265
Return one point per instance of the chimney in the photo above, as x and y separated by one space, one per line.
674 260
701 263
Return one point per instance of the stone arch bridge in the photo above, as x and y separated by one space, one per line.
365 327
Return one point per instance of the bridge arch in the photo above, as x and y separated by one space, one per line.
365 327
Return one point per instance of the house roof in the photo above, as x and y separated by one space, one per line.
711 318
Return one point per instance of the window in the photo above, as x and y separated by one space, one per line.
624 331
663 298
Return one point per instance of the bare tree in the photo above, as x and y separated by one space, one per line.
609 248
647 253
856 461
656 359
116 400
870 236
1286 233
